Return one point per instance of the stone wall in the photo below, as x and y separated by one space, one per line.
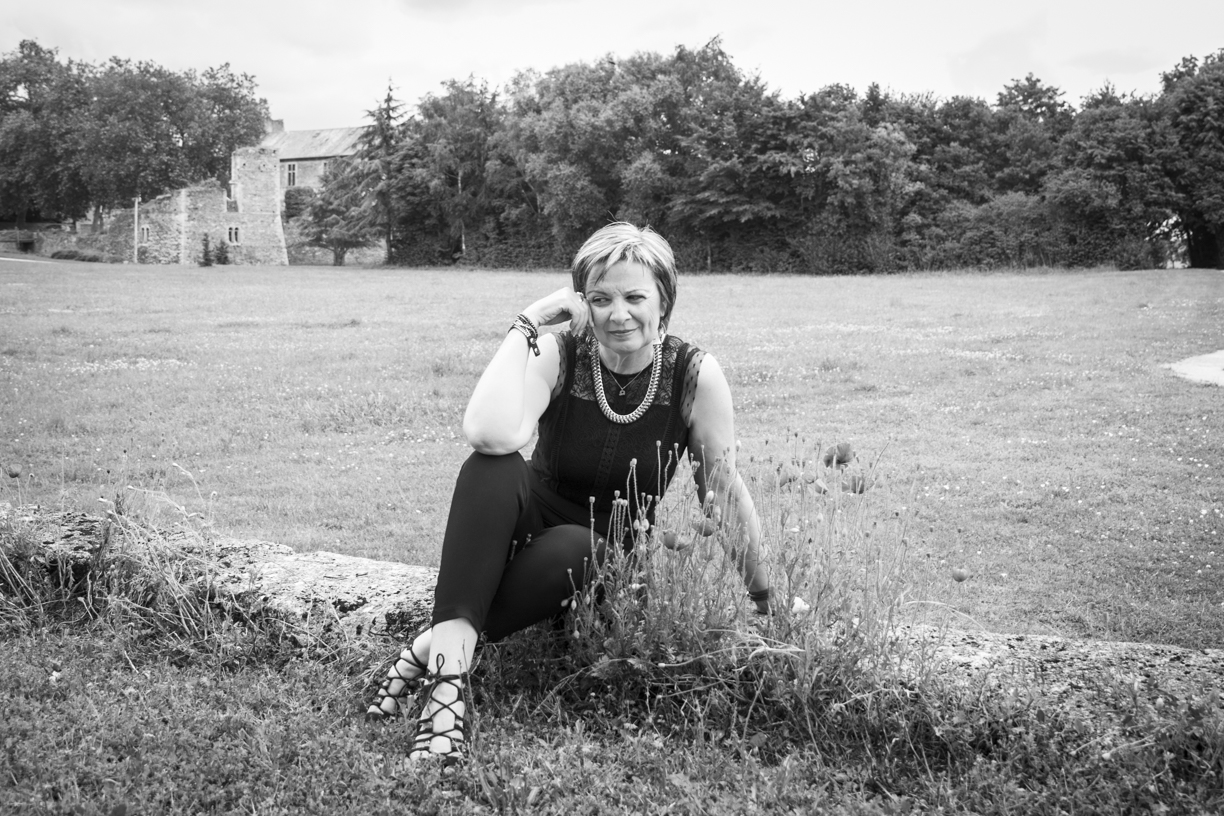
177 222
162 218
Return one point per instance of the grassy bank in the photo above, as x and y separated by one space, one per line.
1017 426
1023 421
128 687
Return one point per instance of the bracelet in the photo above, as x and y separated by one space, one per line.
529 330
535 327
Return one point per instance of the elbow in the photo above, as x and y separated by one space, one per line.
487 441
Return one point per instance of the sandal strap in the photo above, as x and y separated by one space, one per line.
456 734
412 659
409 687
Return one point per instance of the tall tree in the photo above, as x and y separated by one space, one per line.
226 113
377 151
738 153
340 218
1193 98
456 131
74 133
1113 189
41 110
1031 119
132 142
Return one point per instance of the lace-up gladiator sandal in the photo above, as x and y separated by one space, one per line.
456 735
404 677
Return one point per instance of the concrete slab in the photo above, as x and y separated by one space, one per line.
1206 368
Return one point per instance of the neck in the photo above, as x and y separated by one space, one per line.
626 363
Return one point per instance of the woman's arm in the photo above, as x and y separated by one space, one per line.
516 386
712 446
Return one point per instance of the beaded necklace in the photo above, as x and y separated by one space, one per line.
656 366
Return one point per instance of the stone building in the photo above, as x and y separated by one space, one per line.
171 227
306 154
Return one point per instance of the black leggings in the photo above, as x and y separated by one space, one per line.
508 558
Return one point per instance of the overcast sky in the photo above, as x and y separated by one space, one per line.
323 64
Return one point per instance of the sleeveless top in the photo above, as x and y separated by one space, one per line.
584 462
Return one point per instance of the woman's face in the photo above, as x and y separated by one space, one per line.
625 307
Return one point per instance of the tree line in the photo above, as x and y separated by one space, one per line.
739 178
76 137
736 176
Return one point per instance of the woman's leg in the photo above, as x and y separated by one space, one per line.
441 728
544 573
491 514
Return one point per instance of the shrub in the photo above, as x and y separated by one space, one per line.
297 201
206 255
667 630
76 255
221 256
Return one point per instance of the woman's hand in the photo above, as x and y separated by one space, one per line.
562 305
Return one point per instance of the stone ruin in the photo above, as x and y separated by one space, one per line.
246 215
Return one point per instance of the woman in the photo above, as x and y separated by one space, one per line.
616 401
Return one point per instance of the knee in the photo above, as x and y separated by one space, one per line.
509 467
583 555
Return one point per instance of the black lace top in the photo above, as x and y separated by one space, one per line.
581 455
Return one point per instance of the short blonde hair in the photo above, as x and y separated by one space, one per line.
622 241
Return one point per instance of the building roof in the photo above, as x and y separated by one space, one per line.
314 144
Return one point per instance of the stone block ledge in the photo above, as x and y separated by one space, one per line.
364 598
360 596
316 591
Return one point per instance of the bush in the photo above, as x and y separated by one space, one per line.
76 255
297 201
206 255
221 256
669 624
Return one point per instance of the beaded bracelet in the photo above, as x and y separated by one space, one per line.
529 330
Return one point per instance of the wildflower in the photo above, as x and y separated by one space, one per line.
839 454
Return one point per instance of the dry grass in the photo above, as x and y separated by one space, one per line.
1022 422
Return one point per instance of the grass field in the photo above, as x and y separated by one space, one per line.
1018 426
1023 421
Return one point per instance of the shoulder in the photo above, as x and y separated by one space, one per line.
711 419
705 390
710 375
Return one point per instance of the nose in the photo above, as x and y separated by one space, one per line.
620 311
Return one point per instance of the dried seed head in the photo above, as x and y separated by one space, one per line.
12 471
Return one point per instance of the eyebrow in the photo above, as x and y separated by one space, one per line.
632 290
